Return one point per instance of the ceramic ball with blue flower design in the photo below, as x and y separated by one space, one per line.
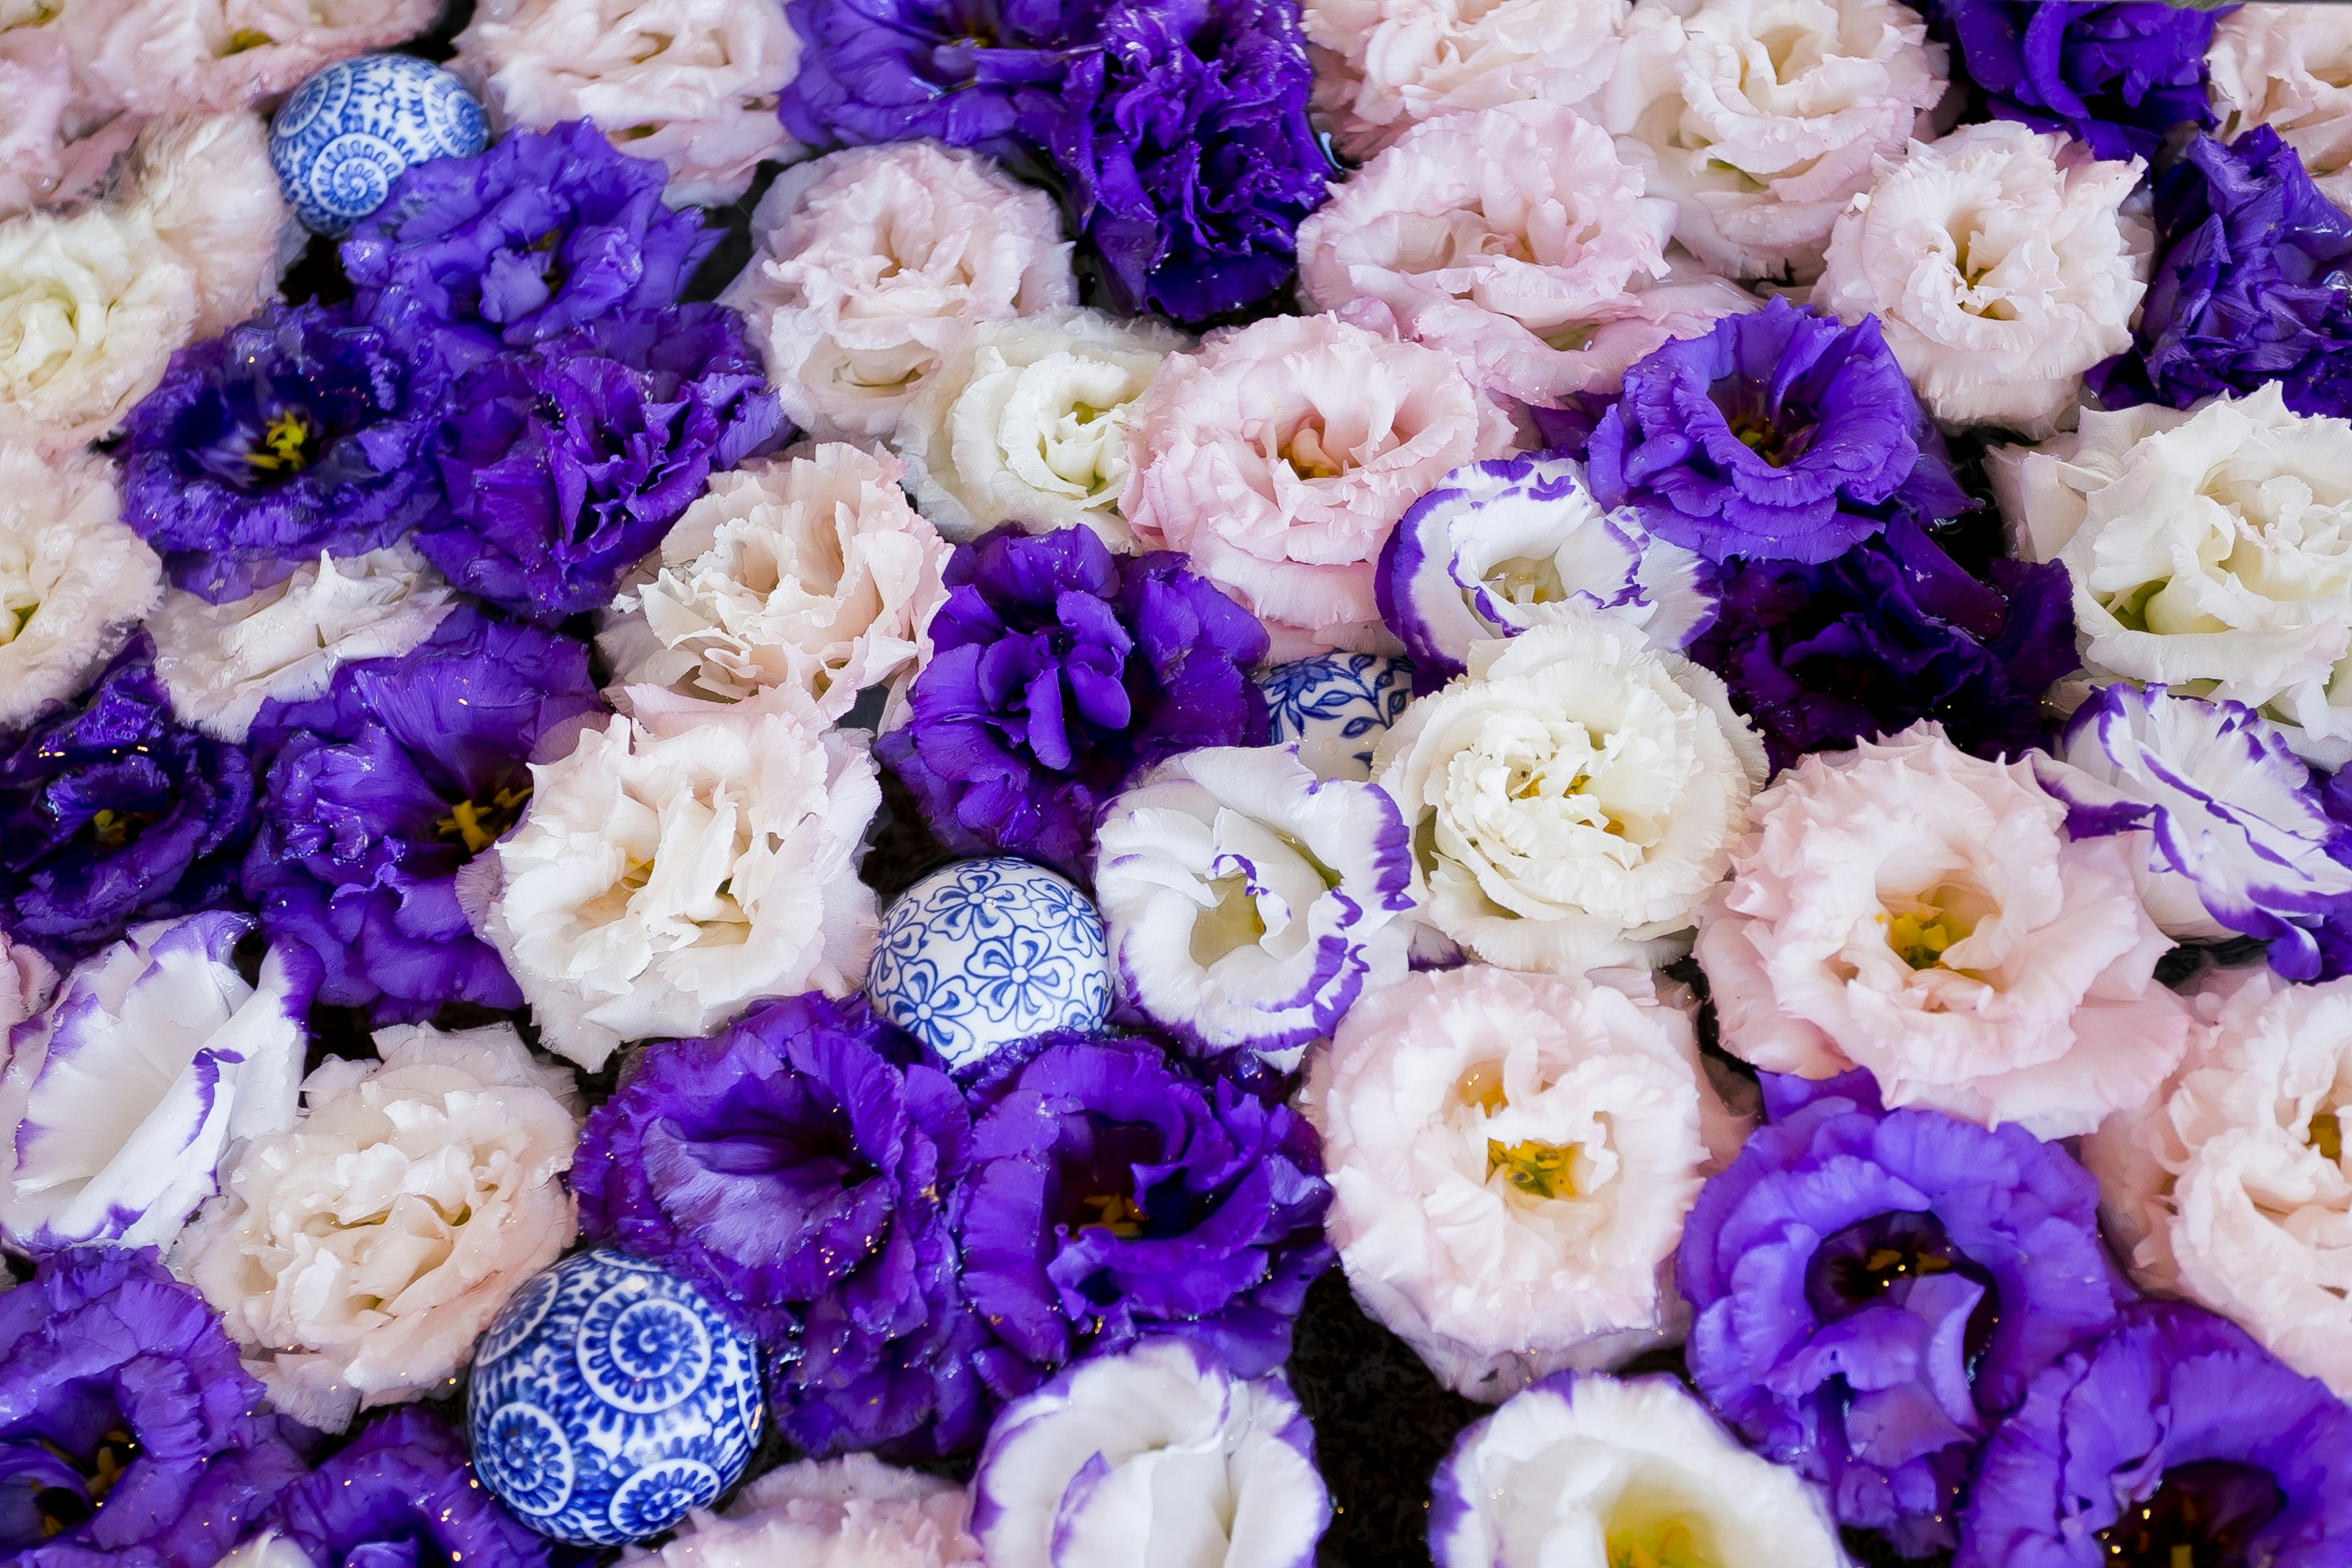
1336 707
347 135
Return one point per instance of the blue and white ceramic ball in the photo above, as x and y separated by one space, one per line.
987 953
357 126
1337 705
608 1398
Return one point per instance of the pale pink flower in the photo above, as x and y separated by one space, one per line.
26 981
74 579
851 1512
2289 67
166 57
55 145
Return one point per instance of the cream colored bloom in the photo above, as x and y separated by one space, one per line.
162 56
851 1512
2289 67
74 579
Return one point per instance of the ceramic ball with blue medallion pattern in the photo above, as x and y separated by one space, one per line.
349 132
988 952
608 1398
1337 705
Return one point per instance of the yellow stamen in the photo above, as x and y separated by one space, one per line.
1115 1213
240 42
285 438
2327 1136
111 829
1922 946
1539 1170
1670 1545
478 825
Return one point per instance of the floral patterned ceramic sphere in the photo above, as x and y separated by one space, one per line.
348 134
1337 705
987 953
608 1399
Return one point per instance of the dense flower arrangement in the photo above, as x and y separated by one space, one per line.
1691 660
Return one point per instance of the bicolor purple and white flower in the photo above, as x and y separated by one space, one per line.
1250 904
1158 1456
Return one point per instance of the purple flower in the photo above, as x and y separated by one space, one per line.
799 1171
2175 1439
542 233
1889 633
895 70
566 464
1119 1191
112 811
376 793
130 1436
1873 1290
1781 435
2118 76
401 1494
1181 131
298 433
1058 669
2249 285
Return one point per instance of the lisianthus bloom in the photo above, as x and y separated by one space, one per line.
2000 265
950 69
1922 1271
156 57
1634 1465
566 463
403 1487
692 83
2173 1439
2211 550
1761 118
2284 67
26 982
2116 77
808 574
74 582
675 867
799 1170
1779 435
539 235
874 265
1892 632
378 790
284 643
1511 1157
1571 798
300 432
1028 423
206 184
1913 910
130 1435
1249 903
851 1512
1119 1192
56 145
111 811
1281 454
121 1099
1161 1455
1057 671
358 1255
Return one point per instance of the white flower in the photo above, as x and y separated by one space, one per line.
268 1550
1160 1456
206 184
1763 118
222 662
1028 423
2001 265
691 82
120 1099
2289 67
2231 1185
851 1512
807 574
676 867
2211 552
74 579
26 982
1572 798
1249 903
1591 1471
357 1256
874 265
1511 1157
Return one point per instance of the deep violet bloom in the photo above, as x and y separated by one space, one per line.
800 1169
1058 669
377 791
130 1436
895 70
566 464
402 1494
1873 1290
2333 936
1119 1190
2249 285
1889 633
541 233
2116 76
2173 1439
300 432
111 811
1779 435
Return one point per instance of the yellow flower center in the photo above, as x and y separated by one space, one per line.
479 823
283 441
1667 1546
1115 1213
113 829
2327 1136
1921 944
1539 1170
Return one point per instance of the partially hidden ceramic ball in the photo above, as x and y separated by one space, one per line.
1337 705
353 129
988 952
608 1399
